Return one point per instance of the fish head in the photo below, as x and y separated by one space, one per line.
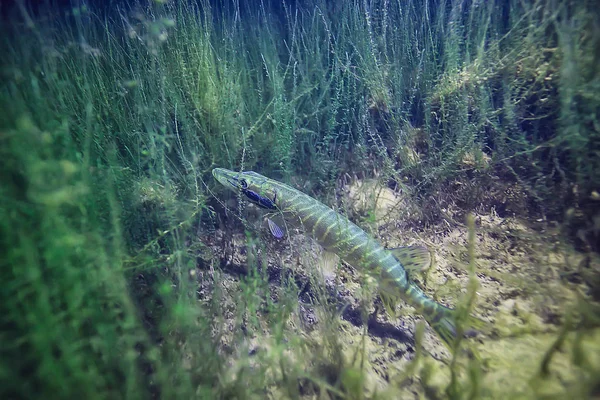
255 187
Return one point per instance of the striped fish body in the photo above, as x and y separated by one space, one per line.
352 244
338 234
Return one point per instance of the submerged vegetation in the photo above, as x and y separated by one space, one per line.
129 273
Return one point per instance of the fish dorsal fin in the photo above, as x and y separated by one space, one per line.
275 229
413 258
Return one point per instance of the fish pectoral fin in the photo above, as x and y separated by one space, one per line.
275 229
413 258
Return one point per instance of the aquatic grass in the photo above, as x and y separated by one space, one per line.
471 388
68 322
112 122
94 122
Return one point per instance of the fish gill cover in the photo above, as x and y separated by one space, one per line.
470 128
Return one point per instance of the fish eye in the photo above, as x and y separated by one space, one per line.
243 183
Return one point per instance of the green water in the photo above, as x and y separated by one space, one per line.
128 272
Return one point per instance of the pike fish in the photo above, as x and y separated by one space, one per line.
339 235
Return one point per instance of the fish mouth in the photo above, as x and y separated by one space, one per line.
226 178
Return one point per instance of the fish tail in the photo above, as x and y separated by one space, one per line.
444 322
